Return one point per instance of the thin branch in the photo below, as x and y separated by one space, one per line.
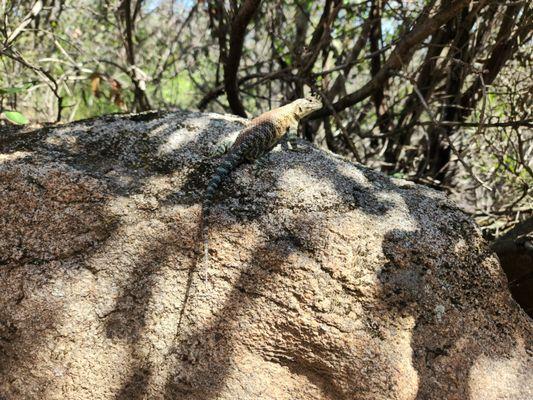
48 78
345 133
448 139
399 56
507 124
34 12
219 90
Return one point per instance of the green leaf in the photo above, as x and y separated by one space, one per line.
13 90
15 117
10 90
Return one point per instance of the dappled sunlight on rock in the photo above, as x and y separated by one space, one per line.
503 377
325 280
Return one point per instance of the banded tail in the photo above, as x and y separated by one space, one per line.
229 164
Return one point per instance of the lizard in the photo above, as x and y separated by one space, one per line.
258 137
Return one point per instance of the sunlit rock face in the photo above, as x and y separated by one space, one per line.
325 279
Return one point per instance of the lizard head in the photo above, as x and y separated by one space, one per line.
306 106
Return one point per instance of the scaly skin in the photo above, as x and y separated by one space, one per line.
260 136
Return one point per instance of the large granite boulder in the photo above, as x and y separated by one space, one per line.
326 280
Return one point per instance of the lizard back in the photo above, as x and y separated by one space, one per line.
255 140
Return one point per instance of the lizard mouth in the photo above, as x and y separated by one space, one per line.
314 104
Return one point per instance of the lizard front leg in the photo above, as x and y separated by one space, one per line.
290 140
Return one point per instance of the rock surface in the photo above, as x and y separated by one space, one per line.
326 280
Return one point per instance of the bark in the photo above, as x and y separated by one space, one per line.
238 32
127 21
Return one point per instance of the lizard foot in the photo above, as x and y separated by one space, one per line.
258 167
291 143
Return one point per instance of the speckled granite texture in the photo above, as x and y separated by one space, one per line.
326 281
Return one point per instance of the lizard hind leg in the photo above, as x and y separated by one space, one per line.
259 165
221 149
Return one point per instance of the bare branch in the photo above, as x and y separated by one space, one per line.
35 10
400 55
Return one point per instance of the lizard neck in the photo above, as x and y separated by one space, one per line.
285 118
